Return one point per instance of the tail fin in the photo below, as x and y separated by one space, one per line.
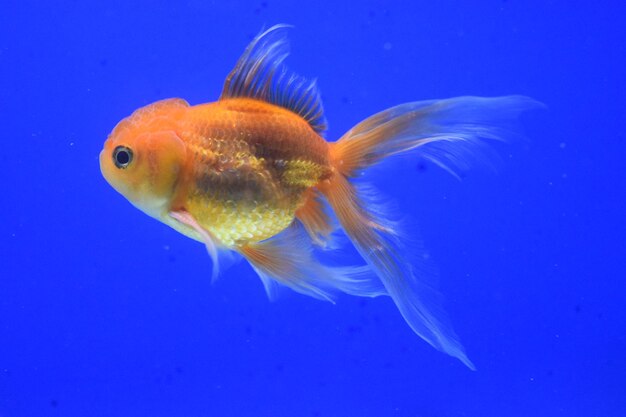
451 133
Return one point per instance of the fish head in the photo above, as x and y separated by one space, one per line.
143 158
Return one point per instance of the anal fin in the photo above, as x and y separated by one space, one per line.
315 219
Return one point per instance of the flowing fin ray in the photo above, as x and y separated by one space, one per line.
453 133
288 259
376 239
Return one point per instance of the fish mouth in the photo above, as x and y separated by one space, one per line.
108 171
103 167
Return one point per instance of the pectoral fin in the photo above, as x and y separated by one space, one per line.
220 256
288 259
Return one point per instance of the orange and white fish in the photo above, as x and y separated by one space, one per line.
252 173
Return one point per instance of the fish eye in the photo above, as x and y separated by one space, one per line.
122 157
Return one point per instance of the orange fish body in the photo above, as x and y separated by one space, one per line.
252 173
245 165
249 165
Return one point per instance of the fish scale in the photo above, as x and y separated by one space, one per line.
247 183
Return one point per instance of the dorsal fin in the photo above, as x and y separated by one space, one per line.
259 74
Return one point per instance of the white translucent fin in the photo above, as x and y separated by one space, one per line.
404 271
452 133
221 257
288 259
259 74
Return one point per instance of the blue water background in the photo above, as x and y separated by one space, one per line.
105 312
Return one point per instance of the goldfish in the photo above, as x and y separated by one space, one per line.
252 174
